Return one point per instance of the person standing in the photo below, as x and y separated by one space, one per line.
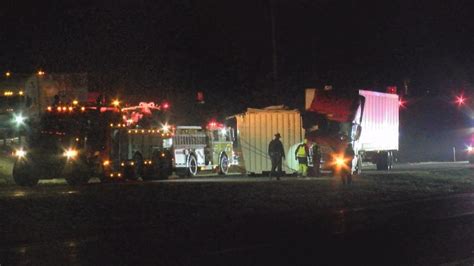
316 159
346 173
301 155
276 153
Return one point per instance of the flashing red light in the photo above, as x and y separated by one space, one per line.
402 103
165 105
460 100
392 89
200 97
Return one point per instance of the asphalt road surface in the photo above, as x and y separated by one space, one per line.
234 221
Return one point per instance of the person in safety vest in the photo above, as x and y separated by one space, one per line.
301 155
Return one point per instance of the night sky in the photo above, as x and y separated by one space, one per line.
172 49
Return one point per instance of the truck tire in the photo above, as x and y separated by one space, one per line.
192 165
390 160
80 175
161 167
135 171
382 161
22 176
78 179
223 164
358 168
191 168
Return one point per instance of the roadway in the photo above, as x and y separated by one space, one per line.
238 220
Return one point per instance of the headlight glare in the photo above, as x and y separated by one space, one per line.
20 153
70 153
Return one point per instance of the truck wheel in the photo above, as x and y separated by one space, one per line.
223 164
192 165
77 179
382 161
135 171
22 177
358 169
390 160
166 167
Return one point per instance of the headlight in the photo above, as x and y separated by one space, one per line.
20 153
469 149
19 119
339 160
70 153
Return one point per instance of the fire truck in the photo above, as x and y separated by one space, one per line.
197 148
78 142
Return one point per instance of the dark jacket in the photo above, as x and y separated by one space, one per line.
275 148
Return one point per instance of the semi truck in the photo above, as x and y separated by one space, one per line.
367 120
26 97
78 142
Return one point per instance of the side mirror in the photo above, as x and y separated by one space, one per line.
357 132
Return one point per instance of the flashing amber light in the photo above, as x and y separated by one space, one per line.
7 74
64 108
41 73
8 93
165 128
50 109
59 109
70 153
70 108
116 103
20 93
106 163
75 102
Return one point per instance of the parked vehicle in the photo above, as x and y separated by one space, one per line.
196 148
366 119
77 142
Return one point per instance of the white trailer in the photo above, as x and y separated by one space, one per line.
380 128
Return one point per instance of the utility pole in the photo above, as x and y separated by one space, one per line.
274 47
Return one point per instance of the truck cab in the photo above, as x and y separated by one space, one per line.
66 142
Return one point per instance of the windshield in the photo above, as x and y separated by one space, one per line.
10 103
